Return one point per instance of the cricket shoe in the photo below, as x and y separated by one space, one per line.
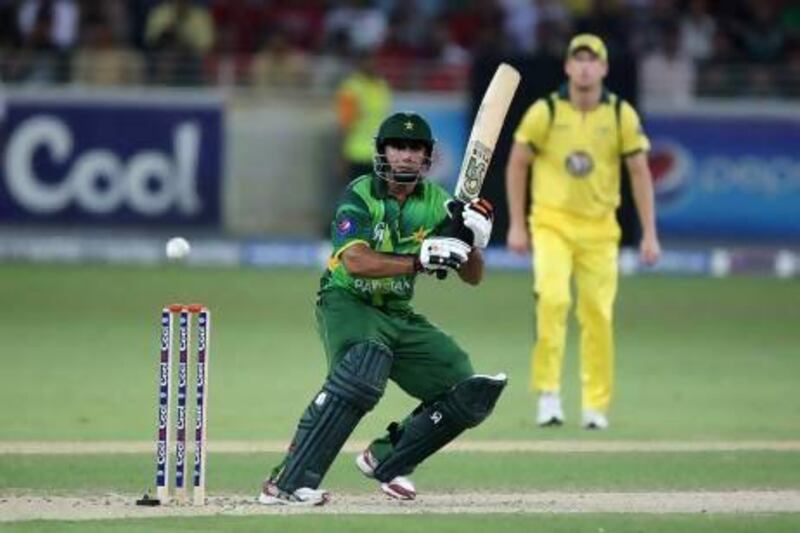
304 496
550 412
594 420
399 488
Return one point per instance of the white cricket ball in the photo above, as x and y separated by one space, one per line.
177 248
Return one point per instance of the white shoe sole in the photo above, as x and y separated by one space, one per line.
551 422
595 421
595 426
399 489
321 499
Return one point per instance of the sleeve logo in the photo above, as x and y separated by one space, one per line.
345 227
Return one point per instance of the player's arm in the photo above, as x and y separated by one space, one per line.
643 197
362 261
471 271
635 145
436 254
517 177
529 137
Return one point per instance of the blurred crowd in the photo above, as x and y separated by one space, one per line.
683 47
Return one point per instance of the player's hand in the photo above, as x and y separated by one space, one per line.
649 250
518 239
478 216
440 253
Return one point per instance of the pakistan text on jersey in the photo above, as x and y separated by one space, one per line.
401 287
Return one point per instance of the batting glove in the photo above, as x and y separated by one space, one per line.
478 216
441 253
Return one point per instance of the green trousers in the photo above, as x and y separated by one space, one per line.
427 362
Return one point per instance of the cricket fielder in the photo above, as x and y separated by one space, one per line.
386 230
574 141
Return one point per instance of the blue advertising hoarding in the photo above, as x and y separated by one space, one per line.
717 175
726 176
112 161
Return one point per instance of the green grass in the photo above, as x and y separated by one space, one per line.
498 472
588 523
697 360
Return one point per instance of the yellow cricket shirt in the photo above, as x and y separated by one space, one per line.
577 163
373 100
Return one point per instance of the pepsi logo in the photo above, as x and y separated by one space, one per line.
345 226
670 165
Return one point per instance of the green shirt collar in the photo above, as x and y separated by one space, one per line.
563 93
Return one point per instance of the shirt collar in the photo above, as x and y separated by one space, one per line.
563 93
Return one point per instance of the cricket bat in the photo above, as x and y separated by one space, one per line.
485 131
482 141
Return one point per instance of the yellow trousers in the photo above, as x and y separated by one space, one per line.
567 247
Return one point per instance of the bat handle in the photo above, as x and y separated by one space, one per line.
441 274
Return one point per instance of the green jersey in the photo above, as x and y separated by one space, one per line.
368 214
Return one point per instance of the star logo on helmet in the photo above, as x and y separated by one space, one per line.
409 125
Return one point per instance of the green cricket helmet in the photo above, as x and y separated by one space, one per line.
402 129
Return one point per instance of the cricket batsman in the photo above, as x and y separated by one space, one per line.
574 142
387 229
